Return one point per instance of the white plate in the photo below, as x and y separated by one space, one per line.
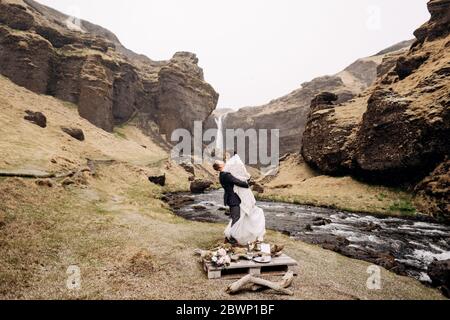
264 259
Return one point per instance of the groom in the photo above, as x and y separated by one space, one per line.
231 199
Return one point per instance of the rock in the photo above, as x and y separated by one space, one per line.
200 185
317 222
432 195
392 145
406 65
183 95
437 27
74 133
37 118
176 200
44 183
188 167
191 178
323 100
325 141
439 273
199 208
158 179
25 58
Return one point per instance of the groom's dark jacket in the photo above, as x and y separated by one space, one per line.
228 182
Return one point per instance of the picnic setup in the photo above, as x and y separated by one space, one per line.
249 265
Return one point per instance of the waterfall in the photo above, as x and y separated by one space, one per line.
219 138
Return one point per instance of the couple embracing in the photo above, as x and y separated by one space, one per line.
247 223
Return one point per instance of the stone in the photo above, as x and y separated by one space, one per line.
199 208
38 118
439 273
44 183
323 100
200 185
158 179
75 133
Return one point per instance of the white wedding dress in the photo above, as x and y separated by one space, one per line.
252 224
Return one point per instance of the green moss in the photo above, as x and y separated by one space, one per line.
403 206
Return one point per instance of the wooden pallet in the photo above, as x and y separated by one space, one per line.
236 270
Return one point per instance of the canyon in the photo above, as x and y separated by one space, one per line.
86 164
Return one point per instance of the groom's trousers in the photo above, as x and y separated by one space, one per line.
235 213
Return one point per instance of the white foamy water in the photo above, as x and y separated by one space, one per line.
428 256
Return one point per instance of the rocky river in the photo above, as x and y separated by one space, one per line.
404 246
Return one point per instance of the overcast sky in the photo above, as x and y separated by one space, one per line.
253 51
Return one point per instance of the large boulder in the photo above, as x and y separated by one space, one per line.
439 273
200 185
38 118
75 133
329 134
158 179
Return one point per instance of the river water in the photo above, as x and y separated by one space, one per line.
401 245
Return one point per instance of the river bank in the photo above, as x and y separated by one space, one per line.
404 246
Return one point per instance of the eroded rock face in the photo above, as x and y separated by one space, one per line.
398 130
181 88
25 58
88 66
438 26
326 139
433 193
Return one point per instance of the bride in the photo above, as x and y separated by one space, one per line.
251 225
